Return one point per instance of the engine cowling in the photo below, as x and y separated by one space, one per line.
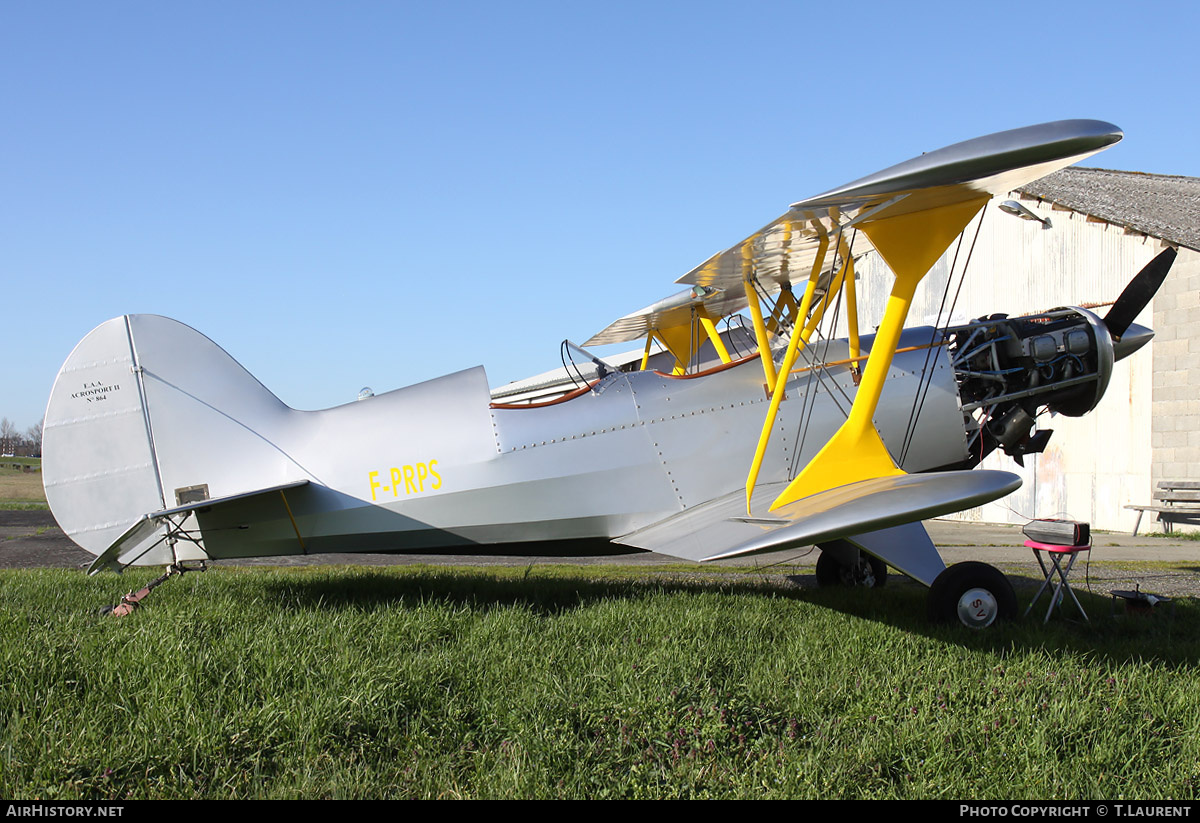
1011 369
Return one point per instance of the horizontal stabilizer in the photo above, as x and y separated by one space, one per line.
136 541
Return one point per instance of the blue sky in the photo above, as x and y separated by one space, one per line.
375 193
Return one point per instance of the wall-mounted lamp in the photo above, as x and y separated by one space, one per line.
1015 208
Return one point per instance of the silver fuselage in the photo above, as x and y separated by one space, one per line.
148 414
637 448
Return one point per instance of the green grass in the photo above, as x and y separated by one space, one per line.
557 682
21 490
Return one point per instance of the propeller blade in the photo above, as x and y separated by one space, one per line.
1138 293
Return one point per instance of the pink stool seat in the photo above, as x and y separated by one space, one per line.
1057 547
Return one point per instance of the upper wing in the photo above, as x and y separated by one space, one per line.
786 249
670 312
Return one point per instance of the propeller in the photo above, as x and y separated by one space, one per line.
1117 336
1138 293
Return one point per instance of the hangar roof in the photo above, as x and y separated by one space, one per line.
1160 205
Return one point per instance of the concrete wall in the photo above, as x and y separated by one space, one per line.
1097 464
1175 430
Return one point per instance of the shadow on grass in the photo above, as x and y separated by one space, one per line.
1166 636
535 589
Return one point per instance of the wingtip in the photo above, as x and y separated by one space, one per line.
1060 143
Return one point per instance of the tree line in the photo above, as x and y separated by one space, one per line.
15 444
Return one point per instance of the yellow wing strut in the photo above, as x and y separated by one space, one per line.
779 385
910 244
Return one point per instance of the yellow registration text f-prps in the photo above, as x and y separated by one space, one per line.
407 479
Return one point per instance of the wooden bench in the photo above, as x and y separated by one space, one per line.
1174 501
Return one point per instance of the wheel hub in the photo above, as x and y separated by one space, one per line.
977 608
860 574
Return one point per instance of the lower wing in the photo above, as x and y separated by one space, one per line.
719 530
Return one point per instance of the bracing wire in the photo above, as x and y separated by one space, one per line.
821 372
926 372
910 426
817 368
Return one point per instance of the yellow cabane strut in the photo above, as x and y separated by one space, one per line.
785 310
756 315
910 244
683 340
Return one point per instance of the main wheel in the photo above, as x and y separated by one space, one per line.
870 571
975 594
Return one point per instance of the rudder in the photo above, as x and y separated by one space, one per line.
144 408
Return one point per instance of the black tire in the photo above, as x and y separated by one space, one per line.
871 572
972 594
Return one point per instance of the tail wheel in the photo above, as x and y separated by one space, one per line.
870 571
974 594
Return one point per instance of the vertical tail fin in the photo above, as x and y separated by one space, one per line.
144 412
98 462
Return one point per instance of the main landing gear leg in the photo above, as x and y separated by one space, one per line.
842 563
974 594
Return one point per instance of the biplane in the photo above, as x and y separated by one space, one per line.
788 427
